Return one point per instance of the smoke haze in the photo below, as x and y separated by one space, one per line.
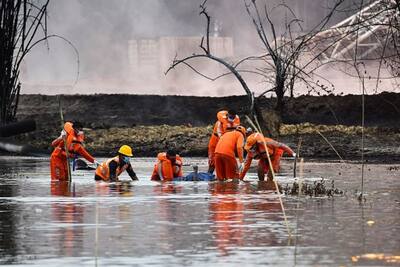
104 33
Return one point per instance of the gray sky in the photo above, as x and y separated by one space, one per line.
101 29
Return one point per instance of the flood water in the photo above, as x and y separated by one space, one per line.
147 223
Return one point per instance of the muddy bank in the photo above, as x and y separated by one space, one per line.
154 123
381 144
105 111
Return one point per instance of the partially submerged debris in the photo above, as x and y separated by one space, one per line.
316 189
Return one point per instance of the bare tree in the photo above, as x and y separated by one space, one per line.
207 53
279 65
287 59
20 23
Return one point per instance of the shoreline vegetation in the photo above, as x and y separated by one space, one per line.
152 123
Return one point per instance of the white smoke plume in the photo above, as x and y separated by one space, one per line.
101 30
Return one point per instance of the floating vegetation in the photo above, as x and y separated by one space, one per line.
316 189
393 168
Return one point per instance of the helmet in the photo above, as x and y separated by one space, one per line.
252 140
241 129
125 150
68 128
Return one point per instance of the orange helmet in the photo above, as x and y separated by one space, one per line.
241 129
252 140
68 128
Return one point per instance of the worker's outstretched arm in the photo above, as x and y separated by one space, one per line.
131 173
57 141
247 165
82 151
160 170
287 149
239 148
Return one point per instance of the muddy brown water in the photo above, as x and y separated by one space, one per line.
146 223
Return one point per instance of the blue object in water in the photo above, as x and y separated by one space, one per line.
200 176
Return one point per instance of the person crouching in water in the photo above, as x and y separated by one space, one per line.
110 169
255 147
229 144
168 166
73 135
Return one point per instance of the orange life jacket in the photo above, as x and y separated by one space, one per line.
223 124
74 144
103 170
168 171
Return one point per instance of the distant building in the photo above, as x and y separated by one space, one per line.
150 58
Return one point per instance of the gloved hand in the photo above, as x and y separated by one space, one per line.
63 134
241 167
294 155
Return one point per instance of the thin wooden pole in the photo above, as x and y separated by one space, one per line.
329 143
96 237
296 157
65 141
271 169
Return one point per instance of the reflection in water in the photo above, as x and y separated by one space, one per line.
145 223
169 214
66 216
121 188
235 217
376 258
226 210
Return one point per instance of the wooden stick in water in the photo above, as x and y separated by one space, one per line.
301 175
295 158
271 169
65 141
329 143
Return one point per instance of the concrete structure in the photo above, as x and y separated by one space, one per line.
149 59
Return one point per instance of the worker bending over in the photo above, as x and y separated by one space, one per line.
73 135
110 169
168 166
255 147
227 120
229 144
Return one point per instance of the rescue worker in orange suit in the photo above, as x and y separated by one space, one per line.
74 137
229 144
227 120
110 169
168 166
256 150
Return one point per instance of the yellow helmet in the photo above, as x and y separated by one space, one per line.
125 150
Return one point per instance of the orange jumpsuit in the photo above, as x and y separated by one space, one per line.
220 127
58 159
275 150
225 161
165 169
